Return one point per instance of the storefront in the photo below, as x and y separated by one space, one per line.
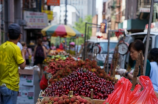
35 22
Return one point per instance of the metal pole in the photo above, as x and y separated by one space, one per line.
88 32
108 52
65 18
84 55
65 12
148 35
84 51
5 19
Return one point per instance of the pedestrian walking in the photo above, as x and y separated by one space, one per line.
153 58
28 53
10 58
39 56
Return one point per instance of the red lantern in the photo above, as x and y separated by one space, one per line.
119 32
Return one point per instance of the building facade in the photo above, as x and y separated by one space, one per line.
131 15
59 15
84 7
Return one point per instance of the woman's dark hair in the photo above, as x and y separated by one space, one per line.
137 45
39 42
153 55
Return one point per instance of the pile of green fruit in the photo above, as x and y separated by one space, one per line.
57 57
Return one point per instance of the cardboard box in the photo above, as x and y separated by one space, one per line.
26 77
26 95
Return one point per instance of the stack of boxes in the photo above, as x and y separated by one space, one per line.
26 87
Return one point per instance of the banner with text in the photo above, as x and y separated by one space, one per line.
35 20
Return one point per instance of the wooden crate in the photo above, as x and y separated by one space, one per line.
97 101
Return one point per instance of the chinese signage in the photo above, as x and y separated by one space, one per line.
53 2
35 20
49 14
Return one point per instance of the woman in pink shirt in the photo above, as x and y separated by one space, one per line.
53 47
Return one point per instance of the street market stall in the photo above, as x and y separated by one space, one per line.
62 31
66 75
70 81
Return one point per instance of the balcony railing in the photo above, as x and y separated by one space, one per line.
117 21
118 3
147 2
144 3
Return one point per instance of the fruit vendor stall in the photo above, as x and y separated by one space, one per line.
70 81
73 81
83 82
67 76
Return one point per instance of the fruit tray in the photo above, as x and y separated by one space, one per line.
93 101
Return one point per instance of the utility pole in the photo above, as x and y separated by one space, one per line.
65 18
8 15
65 12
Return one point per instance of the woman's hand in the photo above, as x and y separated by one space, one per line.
121 72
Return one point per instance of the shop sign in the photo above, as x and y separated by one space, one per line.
35 20
53 2
49 14
103 26
146 10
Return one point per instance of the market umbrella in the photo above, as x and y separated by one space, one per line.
61 31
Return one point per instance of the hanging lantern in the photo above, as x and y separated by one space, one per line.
103 28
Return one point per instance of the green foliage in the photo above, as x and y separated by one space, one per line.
80 26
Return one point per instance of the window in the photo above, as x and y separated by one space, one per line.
104 46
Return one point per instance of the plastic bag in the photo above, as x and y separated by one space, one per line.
43 83
122 90
142 94
146 96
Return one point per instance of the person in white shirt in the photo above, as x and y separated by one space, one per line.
153 57
20 46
